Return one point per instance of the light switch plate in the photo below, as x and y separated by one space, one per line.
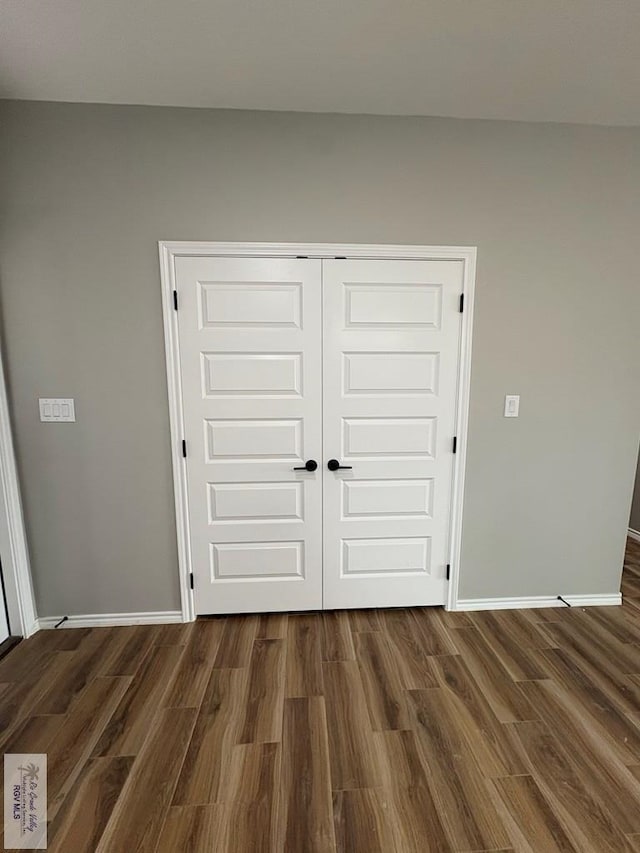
511 406
57 410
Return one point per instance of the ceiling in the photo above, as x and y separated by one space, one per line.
533 60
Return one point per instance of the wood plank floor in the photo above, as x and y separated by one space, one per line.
348 732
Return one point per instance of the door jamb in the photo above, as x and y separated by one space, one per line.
170 250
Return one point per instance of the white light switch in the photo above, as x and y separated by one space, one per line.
511 406
57 410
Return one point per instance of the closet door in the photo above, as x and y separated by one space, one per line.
250 351
391 350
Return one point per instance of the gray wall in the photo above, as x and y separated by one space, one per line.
87 191
634 520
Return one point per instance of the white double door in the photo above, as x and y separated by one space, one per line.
285 362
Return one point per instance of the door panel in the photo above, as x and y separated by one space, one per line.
250 350
390 373
392 305
387 498
391 345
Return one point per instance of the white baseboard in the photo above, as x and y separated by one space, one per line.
613 598
104 620
633 534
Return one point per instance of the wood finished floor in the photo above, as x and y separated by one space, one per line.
357 732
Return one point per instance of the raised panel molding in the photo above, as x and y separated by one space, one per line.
253 439
231 503
251 374
389 437
370 499
390 373
271 303
256 560
379 557
389 305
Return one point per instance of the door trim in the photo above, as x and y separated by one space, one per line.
16 567
169 250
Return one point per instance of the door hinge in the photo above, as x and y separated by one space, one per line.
175 300
191 579
461 302
184 448
455 443
448 571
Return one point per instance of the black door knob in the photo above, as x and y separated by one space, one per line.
334 465
309 465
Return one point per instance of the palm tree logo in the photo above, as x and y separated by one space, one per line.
30 771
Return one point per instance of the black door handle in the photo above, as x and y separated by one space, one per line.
334 465
309 465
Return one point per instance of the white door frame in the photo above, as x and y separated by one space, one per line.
14 554
170 250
